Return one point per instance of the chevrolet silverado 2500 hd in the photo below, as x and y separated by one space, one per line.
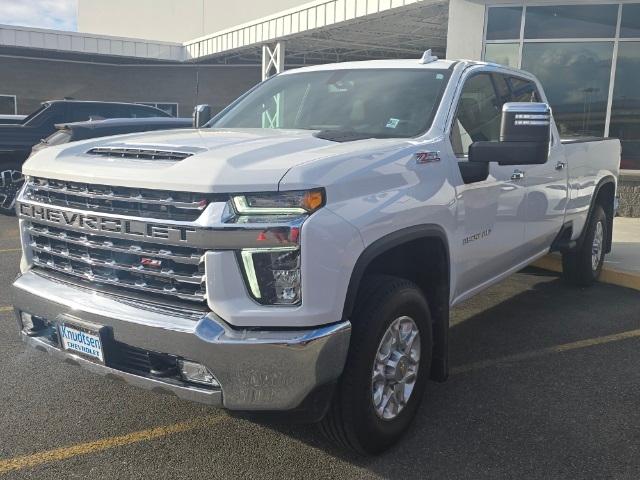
300 252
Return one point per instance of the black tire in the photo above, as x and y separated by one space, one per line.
352 421
11 181
579 266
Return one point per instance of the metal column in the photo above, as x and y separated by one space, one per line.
272 59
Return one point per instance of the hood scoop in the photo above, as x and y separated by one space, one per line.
141 153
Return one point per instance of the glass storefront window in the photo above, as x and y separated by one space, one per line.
625 109
570 49
630 24
503 23
575 77
571 21
502 53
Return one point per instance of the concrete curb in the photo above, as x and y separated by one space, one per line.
609 275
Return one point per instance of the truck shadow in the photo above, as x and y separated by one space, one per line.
512 419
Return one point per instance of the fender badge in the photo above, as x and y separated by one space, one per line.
427 157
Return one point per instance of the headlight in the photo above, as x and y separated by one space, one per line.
279 203
273 275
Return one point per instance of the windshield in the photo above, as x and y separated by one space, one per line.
370 102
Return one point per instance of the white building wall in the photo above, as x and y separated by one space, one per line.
465 34
172 20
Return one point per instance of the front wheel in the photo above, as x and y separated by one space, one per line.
583 266
11 181
387 367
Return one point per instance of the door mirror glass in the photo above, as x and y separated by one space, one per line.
525 136
201 115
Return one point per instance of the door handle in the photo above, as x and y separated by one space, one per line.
560 166
517 175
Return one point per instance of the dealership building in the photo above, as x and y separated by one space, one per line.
176 54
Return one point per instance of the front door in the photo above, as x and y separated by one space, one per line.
490 215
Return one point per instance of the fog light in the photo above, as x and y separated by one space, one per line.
195 373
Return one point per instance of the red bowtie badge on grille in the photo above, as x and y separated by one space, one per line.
150 262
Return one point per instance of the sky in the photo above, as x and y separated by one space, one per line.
56 14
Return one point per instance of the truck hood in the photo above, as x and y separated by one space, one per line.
221 160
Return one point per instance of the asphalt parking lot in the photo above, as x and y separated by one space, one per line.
545 384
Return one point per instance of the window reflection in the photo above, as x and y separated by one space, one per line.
571 21
630 24
625 112
503 23
576 68
575 77
502 53
523 90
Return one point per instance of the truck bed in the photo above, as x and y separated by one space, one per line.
588 158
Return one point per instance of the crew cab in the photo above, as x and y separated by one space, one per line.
19 134
298 253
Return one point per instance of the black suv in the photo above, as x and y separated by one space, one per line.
17 139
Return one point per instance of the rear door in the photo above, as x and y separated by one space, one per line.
490 233
547 186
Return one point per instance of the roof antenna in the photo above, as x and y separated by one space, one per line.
427 58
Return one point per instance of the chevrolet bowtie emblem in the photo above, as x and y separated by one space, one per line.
150 262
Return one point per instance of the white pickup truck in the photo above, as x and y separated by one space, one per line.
299 252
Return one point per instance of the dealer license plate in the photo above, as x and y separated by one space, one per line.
83 340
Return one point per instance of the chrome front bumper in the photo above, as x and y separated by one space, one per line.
256 369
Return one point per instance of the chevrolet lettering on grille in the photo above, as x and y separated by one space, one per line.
105 225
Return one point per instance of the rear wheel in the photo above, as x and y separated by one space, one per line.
11 181
387 367
583 266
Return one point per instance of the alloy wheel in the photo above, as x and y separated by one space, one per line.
395 368
597 246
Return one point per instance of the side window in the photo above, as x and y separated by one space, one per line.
478 115
80 112
503 88
109 111
138 112
171 110
523 90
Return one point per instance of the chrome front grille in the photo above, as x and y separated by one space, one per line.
161 270
147 263
138 202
